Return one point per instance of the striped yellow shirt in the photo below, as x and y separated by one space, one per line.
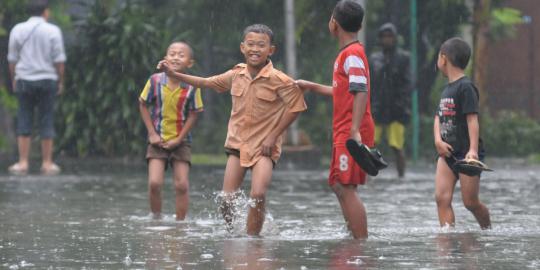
170 108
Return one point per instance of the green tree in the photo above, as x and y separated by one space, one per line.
216 40
492 22
437 21
116 51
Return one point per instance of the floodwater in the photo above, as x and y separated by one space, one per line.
97 218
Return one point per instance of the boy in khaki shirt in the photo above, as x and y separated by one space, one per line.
265 101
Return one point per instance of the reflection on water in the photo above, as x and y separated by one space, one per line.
249 254
458 250
94 219
349 255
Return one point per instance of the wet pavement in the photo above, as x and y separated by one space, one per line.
95 218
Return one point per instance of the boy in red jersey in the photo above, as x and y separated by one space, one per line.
352 113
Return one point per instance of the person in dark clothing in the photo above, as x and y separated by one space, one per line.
390 99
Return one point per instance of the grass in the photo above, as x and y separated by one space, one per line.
534 158
209 159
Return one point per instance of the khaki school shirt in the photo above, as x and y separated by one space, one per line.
257 108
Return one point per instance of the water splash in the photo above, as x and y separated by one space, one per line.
234 209
127 261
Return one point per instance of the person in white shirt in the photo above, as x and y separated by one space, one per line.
36 59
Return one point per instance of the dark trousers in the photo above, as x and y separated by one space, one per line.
32 94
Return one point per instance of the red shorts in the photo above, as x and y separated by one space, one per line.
344 169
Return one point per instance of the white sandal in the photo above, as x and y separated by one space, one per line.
52 170
17 169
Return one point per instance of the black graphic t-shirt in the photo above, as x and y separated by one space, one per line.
458 99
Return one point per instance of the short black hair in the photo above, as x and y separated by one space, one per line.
37 7
388 28
349 14
457 51
261 29
191 53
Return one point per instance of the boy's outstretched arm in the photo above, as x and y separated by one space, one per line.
443 148
359 108
321 89
474 130
220 83
270 141
190 122
189 79
153 137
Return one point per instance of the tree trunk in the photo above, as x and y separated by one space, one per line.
481 15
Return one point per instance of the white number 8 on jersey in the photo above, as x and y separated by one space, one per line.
343 162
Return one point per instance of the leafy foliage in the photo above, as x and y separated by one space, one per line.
503 21
511 134
117 44
437 21
8 101
108 67
216 44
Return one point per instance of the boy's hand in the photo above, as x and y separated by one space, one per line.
163 66
302 84
472 154
268 145
355 135
444 149
171 144
154 139
60 88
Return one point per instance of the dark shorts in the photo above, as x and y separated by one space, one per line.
32 94
451 161
180 153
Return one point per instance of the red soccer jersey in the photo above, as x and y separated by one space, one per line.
351 74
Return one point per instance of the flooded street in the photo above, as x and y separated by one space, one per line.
94 219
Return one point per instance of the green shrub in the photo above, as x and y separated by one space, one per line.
8 103
117 51
511 134
7 100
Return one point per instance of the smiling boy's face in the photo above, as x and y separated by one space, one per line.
256 48
179 57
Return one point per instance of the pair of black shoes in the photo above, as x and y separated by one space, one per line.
369 159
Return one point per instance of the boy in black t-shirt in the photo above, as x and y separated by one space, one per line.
456 132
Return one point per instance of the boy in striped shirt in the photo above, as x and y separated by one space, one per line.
173 112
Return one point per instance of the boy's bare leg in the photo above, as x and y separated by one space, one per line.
233 178
470 187
353 209
261 178
445 182
181 188
156 173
